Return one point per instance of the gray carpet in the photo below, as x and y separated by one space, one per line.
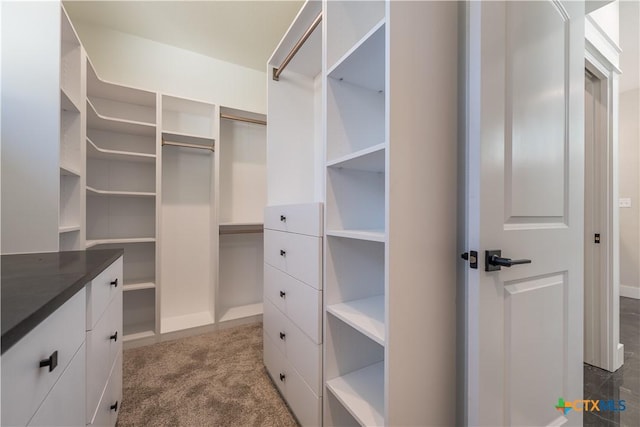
216 379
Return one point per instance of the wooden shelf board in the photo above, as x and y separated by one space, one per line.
371 235
66 103
242 311
68 171
93 151
370 159
96 192
68 228
139 285
363 64
111 124
365 315
179 323
95 242
361 392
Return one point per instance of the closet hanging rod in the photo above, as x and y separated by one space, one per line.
296 47
185 145
242 119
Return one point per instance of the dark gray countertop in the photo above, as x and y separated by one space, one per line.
34 285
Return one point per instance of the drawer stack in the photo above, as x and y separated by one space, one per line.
293 306
104 346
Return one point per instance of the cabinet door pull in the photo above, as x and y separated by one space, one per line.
282 294
283 218
114 407
283 252
114 283
51 362
114 337
282 335
282 377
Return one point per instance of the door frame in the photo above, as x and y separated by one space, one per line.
601 60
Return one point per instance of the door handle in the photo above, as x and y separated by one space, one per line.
493 261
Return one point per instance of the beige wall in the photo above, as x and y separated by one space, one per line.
630 188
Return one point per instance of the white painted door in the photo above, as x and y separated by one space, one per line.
525 188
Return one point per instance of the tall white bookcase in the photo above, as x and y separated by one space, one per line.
390 95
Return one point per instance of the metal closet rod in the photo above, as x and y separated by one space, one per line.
296 47
242 119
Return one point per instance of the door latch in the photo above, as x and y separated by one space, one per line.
596 238
472 257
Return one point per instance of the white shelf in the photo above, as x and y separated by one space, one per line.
370 159
365 315
241 312
68 228
136 332
96 192
370 235
362 394
66 103
193 320
69 171
110 124
188 138
364 64
95 152
96 242
138 286
116 92
240 227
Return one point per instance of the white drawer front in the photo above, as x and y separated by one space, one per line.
104 345
109 406
64 406
306 405
101 291
24 383
300 302
302 218
301 352
296 254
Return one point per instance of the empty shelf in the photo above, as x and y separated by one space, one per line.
66 103
96 192
95 152
95 242
138 331
138 286
241 311
362 394
240 227
365 315
68 228
370 159
186 138
371 235
97 121
68 171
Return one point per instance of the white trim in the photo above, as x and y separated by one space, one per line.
630 291
596 36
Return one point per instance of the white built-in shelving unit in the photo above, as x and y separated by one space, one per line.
72 131
241 155
121 191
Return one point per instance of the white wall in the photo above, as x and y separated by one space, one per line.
608 18
131 60
630 188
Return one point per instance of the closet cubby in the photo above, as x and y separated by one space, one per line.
242 193
71 203
140 268
138 311
188 231
119 217
113 176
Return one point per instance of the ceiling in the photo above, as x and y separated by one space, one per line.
237 31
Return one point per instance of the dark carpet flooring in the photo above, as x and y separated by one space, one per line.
216 379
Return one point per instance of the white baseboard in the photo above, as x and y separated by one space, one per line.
629 292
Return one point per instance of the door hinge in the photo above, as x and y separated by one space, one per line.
596 238
472 257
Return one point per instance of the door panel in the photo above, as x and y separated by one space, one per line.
525 190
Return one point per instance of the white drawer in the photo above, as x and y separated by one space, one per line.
101 291
302 218
109 406
304 403
296 254
299 302
64 405
24 383
302 353
104 345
